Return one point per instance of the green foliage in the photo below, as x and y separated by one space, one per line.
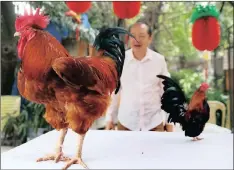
174 34
36 112
101 14
226 25
203 11
17 128
190 80
88 35
217 95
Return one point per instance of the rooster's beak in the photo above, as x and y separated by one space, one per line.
16 34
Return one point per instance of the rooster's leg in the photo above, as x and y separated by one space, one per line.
199 138
78 159
196 139
59 153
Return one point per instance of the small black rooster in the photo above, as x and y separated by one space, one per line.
193 116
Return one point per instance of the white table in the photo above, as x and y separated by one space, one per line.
125 150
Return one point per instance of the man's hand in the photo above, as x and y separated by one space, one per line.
110 125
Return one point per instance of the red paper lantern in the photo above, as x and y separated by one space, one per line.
206 28
198 35
213 37
78 6
126 9
206 34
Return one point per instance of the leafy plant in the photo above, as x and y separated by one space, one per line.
88 34
17 127
189 80
36 112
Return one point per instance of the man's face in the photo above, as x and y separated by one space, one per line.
140 32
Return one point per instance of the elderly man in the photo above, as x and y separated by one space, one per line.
140 106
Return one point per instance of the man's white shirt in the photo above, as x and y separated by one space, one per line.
140 92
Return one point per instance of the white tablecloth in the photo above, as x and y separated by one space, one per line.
125 150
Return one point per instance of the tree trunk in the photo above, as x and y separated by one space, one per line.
231 81
182 61
122 23
152 19
8 48
155 24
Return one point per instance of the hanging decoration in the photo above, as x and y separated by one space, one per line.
77 17
78 7
206 57
206 28
126 9
205 32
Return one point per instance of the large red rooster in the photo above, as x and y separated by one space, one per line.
192 116
75 91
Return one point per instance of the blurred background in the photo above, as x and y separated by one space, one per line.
170 21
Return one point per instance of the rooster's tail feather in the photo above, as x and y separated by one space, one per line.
108 41
173 100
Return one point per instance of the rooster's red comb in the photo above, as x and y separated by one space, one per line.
36 20
205 85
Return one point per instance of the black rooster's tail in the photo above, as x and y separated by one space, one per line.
173 100
108 40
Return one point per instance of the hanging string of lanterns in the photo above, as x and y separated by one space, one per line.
205 31
122 9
